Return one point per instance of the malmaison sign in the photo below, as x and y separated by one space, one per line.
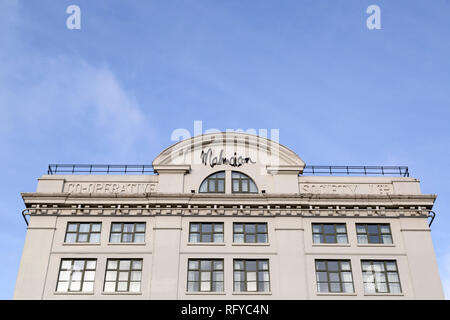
83 187
212 160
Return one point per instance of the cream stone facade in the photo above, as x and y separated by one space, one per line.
294 255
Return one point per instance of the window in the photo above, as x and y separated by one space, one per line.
127 232
250 233
215 183
251 275
242 183
205 232
76 275
380 276
329 233
334 276
123 275
205 275
83 232
374 233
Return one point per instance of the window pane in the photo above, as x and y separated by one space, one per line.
369 287
244 184
110 286
89 275
253 187
124 264
84 227
193 276
321 276
218 238
194 237
217 286
239 286
217 276
140 227
362 239
111 275
378 266
393 277
206 238
374 239
263 265
116 227
335 287
204 187
218 227
322 287
360 229
95 238
328 228
122 286
88 287
238 238
205 276
330 239
239 276
347 287
64 276
123 276
340 228
63 287
128 227
207 227
251 286
320 265
195 227
263 286
342 238
112 264
137 265
72 227
218 265
250 238
71 237
135 286
345 265
82 237
395 288
372 229
205 286
385 229
205 265
235 185
95 227
193 264
250 228
387 239
316 228
75 286
391 266
317 238
332 265
238 227
251 265
127 237
139 238
238 264
346 276
221 186
251 276
78 264
135 276
192 286
262 227
115 237
382 287
334 276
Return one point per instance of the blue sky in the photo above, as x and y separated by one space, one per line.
114 91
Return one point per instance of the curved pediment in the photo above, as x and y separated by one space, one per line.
229 149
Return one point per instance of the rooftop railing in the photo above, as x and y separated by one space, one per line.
357 170
148 169
100 169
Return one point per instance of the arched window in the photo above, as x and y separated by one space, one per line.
242 183
214 183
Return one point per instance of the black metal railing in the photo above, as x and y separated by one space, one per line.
148 169
100 169
357 170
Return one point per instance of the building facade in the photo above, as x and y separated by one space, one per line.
227 216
